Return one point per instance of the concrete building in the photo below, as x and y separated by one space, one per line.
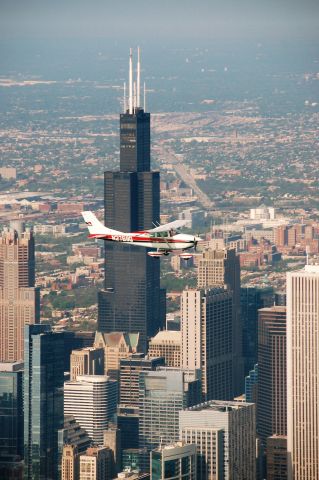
92 400
87 361
225 435
218 268
277 458
19 299
130 369
166 344
303 372
95 464
116 345
272 376
72 441
262 213
162 395
175 461
207 339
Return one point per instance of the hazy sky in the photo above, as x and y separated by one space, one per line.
160 20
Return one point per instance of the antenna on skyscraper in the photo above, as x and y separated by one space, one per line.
124 97
138 80
144 97
131 83
134 95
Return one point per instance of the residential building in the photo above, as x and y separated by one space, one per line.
19 299
92 400
43 401
225 435
272 376
207 339
303 372
87 361
176 461
166 344
220 268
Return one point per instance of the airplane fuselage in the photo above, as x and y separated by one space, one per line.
179 241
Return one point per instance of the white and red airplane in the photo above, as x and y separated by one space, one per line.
163 238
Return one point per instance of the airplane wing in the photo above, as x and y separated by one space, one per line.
169 226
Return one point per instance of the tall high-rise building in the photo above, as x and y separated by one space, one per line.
19 299
130 370
87 361
163 394
167 344
11 420
43 401
116 345
207 339
130 301
96 464
250 303
277 457
225 435
72 441
92 401
303 373
272 377
175 461
218 268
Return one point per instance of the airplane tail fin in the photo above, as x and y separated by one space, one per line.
95 226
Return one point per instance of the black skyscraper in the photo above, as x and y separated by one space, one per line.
131 299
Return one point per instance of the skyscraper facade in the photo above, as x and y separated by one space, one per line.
207 339
19 300
303 373
163 394
272 377
218 268
225 435
130 301
43 401
175 461
250 303
11 420
92 400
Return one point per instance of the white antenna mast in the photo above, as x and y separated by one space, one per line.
138 80
131 83
144 97
124 98
134 96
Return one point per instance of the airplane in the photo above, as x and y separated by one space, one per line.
164 238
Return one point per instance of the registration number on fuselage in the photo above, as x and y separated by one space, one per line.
122 238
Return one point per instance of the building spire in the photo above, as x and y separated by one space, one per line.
124 98
138 80
131 83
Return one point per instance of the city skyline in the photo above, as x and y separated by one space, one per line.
144 368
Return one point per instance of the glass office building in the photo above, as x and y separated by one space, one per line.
43 401
175 462
11 420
